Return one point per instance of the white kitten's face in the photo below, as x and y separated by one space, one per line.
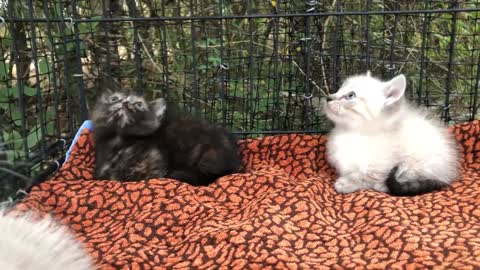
363 100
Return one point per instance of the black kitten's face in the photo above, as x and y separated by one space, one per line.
121 111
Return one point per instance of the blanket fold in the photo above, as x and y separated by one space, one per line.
283 212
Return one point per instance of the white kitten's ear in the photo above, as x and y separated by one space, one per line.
369 74
158 107
394 90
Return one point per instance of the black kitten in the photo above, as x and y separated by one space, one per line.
136 140
126 143
198 152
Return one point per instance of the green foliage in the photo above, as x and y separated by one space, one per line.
4 67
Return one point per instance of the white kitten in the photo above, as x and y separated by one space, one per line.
380 142
29 244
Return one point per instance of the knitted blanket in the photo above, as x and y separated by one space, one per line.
283 212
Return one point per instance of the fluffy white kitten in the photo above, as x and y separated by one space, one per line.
380 142
29 244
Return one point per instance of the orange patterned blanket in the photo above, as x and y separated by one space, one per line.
282 213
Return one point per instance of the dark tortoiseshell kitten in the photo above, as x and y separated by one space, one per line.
138 140
198 152
126 144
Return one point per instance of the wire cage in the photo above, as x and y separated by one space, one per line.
255 67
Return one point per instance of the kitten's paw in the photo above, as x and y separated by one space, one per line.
344 185
381 187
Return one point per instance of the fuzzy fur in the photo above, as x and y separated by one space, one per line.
127 145
198 152
378 136
27 243
158 142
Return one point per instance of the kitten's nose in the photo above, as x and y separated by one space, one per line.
125 105
330 98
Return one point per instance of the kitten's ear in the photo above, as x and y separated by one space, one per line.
158 107
369 74
394 90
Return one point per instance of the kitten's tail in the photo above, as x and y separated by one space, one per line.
411 188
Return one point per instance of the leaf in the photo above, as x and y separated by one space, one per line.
9 93
34 137
4 100
6 42
68 31
94 24
88 27
4 68
213 41
14 138
202 67
214 60
50 128
29 91
44 66
16 117
84 28
70 46
50 115
58 10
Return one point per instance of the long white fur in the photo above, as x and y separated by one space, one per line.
378 130
29 244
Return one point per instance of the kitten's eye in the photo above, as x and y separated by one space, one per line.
350 95
114 99
139 105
